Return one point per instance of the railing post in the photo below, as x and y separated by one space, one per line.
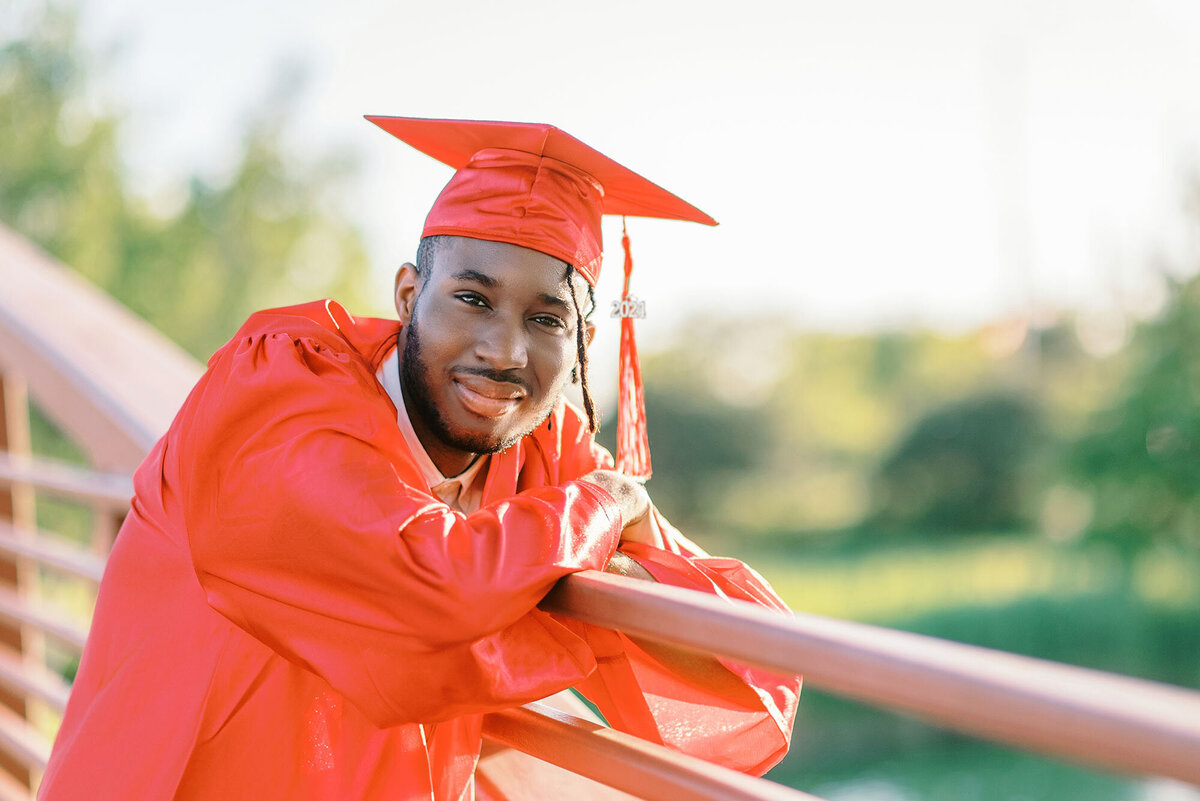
17 508
105 524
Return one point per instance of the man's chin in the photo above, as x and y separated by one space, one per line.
483 441
490 439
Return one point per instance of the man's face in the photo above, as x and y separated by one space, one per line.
489 340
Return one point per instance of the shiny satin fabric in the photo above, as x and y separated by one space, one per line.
533 185
289 613
532 201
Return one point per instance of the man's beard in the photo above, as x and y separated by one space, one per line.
416 385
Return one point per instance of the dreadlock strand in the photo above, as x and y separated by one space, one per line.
581 353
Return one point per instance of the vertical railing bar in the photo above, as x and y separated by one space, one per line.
19 573
24 513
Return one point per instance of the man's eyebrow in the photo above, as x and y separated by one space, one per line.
555 300
467 274
477 277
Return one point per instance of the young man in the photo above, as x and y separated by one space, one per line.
333 561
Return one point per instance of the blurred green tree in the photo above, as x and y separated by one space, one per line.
962 467
700 447
757 428
1138 459
268 235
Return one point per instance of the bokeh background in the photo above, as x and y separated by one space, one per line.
938 368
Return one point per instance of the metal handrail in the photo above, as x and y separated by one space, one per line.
16 609
1103 719
31 681
21 742
625 762
100 373
53 552
112 491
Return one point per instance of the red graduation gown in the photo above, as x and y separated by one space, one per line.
289 613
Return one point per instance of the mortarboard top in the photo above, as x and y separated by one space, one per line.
533 185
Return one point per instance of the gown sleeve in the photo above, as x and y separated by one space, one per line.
307 529
745 724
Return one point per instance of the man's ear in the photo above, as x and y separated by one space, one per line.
407 283
589 331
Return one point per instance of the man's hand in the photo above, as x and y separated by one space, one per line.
622 565
636 521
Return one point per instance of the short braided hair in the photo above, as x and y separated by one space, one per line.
581 346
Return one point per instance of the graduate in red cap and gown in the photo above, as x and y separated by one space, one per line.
334 557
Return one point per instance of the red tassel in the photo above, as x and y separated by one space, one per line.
633 443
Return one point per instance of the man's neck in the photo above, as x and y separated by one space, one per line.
449 461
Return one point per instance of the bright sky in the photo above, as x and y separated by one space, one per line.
941 162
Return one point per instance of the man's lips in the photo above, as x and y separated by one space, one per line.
485 397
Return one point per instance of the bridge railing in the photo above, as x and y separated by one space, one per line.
112 384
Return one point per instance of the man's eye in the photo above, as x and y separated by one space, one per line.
472 299
549 321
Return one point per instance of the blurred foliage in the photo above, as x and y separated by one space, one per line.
901 431
194 261
1140 456
759 429
960 468
705 447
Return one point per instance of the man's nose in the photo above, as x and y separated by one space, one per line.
504 345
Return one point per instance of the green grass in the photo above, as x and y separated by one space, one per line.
961 770
894 582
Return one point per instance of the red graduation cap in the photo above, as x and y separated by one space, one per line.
533 185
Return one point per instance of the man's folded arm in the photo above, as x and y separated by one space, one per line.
732 714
